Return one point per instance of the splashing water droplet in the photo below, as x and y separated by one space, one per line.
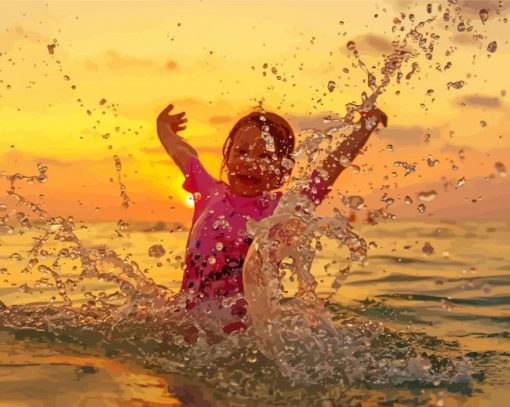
427 196
447 305
432 162
421 208
354 202
456 85
331 86
484 15
408 200
351 46
427 249
492 47
157 251
16 257
501 169
461 181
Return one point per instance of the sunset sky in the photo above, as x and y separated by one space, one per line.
114 66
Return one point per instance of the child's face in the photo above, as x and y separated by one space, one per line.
251 168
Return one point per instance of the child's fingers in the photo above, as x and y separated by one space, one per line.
167 109
179 116
181 128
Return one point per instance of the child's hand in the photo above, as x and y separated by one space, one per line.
170 122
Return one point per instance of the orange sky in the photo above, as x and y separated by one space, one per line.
207 58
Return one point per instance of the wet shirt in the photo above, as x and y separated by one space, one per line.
218 241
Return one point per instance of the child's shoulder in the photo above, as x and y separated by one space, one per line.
197 178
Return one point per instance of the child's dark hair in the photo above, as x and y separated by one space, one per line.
279 128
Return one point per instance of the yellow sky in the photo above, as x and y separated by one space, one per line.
207 58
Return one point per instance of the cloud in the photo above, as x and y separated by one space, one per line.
454 148
171 65
117 61
53 162
371 44
472 8
490 102
315 121
465 39
90 65
221 120
11 37
216 149
404 135
152 150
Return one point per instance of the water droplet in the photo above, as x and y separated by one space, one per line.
446 304
483 123
219 246
211 260
501 169
287 163
421 208
408 200
16 257
432 162
461 27
461 181
456 85
51 48
156 251
427 196
492 47
331 86
351 45
354 202
484 15
427 249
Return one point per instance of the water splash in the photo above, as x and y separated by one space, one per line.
296 335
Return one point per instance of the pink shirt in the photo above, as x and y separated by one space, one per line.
218 241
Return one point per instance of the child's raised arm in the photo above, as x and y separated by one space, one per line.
351 146
168 125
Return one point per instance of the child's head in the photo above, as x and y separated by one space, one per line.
257 153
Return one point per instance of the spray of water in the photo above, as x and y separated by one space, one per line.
297 335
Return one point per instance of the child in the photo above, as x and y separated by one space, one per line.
256 156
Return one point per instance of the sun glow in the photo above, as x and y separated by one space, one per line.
190 202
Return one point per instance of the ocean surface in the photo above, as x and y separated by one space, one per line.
442 286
